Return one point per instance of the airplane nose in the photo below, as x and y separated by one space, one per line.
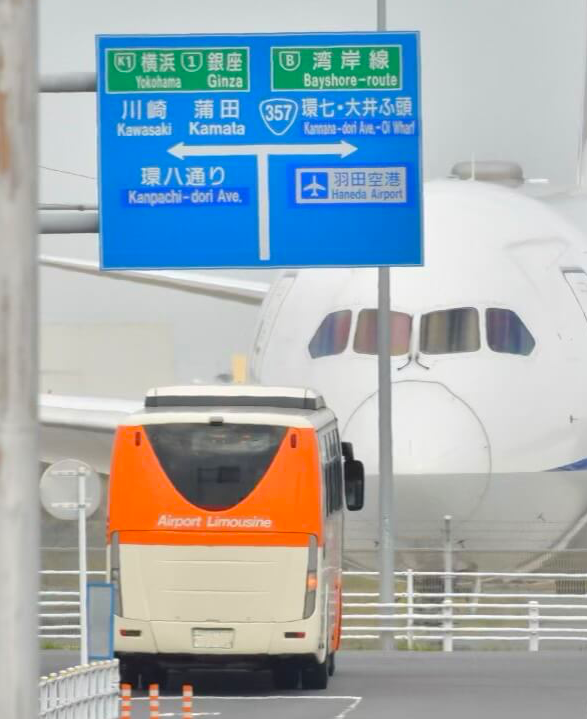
434 432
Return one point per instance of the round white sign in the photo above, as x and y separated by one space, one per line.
60 486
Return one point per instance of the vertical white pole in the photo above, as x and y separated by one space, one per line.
410 593
533 626
447 625
448 583
83 569
19 470
476 591
386 545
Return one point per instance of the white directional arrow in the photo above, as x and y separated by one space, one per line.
262 152
342 148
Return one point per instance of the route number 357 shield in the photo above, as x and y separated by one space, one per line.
290 59
278 114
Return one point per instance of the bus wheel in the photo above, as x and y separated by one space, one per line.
331 664
286 675
315 675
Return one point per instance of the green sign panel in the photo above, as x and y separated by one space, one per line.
167 69
339 67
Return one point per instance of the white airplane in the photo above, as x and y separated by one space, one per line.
489 385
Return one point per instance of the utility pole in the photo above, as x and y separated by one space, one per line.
386 543
19 477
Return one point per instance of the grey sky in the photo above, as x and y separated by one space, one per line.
502 79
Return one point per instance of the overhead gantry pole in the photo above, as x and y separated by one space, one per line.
386 529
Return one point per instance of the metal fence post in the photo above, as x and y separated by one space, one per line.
410 607
83 692
447 625
534 626
448 583
53 692
476 590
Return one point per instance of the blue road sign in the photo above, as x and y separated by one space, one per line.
259 150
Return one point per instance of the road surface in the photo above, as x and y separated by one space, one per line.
411 685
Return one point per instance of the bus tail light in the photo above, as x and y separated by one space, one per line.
311 578
311 582
115 572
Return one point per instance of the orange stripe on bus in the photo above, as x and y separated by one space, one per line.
190 537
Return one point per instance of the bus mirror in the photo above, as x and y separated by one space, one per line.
354 484
347 450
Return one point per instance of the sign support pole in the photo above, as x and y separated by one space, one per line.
83 568
386 543
19 478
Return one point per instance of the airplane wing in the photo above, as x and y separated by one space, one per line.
80 427
227 288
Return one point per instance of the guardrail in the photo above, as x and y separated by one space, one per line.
455 616
82 692
57 599
443 616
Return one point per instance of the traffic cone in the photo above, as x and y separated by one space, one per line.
125 701
153 701
187 693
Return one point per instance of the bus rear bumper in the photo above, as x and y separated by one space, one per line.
237 639
187 662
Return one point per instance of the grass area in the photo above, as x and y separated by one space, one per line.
60 644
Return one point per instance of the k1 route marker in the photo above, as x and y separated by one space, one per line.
259 150
342 148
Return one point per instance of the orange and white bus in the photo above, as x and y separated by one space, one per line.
225 532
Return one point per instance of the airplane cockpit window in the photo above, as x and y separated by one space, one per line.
448 331
507 333
332 336
366 334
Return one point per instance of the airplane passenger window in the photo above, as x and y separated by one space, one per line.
507 333
366 335
450 331
332 336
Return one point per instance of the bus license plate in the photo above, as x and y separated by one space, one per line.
212 638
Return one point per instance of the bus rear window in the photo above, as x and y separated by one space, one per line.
215 467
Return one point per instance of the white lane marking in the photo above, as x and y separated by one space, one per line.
353 701
251 698
351 708
193 714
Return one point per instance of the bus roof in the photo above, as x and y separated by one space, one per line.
235 395
296 418
242 404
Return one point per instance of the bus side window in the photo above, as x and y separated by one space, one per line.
337 470
326 474
330 474
331 456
